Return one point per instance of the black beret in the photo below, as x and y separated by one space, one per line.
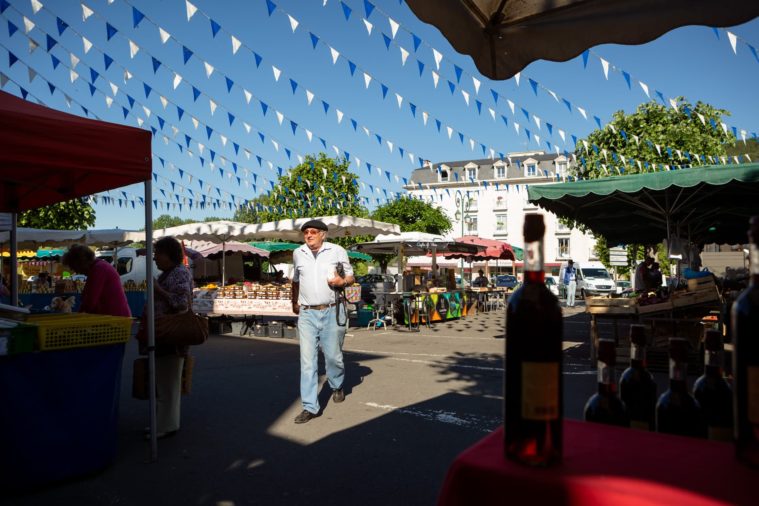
319 225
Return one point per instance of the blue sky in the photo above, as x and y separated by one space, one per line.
258 116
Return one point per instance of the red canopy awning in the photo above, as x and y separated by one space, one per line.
494 249
50 156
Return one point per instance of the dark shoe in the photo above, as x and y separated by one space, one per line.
338 395
305 416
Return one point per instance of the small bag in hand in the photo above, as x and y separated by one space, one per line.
179 329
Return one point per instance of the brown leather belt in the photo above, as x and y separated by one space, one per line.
320 306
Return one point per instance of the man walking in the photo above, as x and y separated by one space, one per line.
319 268
570 281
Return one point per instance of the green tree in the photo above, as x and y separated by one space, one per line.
166 221
414 215
652 125
411 215
750 148
320 186
76 214
652 136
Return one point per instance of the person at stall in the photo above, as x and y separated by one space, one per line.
570 281
654 276
43 281
316 265
641 279
481 280
103 292
173 294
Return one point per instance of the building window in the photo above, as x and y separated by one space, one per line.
561 169
443 176
471 174
473 201
564 247
500 172
531 169
470 222
501 226
500 201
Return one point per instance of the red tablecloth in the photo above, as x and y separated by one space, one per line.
604 465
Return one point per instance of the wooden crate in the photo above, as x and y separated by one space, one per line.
682 299
598 305
706 283
653 308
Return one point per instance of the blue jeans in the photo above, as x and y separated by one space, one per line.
319 328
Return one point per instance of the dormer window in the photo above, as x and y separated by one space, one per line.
530 167
561 166
499 170
470 171
444 178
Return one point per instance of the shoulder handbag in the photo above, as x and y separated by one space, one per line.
180 329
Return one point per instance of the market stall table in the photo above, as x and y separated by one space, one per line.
603 465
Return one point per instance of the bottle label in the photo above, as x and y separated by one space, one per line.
605 373
678 371
640 425
637 352
713 358
540 390
753 254
720 433
752 377
533 256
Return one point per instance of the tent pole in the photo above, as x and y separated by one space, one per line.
223 264
399 284
14 260
150 317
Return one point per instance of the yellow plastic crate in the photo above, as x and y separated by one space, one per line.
78 330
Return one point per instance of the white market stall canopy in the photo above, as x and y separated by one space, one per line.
339 225
225 231
34 237
413 243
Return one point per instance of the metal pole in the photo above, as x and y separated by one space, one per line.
14 260
150 317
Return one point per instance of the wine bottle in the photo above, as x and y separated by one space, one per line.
533 383
605 406
677 412
713 393
745 330
637 388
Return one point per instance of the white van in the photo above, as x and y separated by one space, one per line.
129 265
592 279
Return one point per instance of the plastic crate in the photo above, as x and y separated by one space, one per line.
20 338
275 329
77 330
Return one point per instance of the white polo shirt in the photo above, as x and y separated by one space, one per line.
312 272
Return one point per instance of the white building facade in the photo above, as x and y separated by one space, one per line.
488 198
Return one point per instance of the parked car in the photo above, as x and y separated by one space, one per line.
372 283
623 286
552 285
506 281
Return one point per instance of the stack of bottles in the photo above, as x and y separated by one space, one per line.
533 379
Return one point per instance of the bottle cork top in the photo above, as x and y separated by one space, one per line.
607 351
713 340
638 334
534 228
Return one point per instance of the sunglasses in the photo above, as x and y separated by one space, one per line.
311 231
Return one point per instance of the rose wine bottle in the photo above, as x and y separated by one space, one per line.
605 406
533 383
677 412
745 330
637 387
713 393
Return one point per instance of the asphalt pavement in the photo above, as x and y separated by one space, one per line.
413 402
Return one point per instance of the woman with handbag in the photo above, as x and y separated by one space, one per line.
173 295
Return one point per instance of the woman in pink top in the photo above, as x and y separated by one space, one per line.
103 292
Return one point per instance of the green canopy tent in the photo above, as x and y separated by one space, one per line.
709 204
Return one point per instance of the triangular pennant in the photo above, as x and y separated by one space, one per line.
235 44
393 26
61 24
137 17
346 10
293 23
215 27
110 31
165 36
86 12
